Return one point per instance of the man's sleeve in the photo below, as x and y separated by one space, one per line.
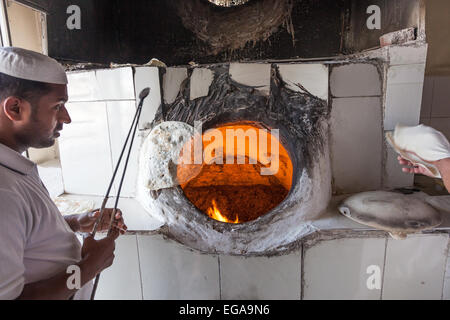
12 245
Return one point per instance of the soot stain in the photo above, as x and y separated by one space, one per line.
298 115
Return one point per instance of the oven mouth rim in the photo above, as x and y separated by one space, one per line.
269 215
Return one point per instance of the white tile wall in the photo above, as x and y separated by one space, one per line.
355 80
252 74
122 281
83 86
171 271
85 149
135 216
446 292
151 267
101 85
415 267
356 144
338 269
51 175
403 103
201 80
116 84
173 78
261 278
148 77
411 73
313 77
394 176
120 117
404 95
400 55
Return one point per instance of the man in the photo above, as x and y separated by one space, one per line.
37 244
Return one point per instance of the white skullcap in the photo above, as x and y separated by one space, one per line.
30 65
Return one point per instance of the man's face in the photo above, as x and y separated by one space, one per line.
46 119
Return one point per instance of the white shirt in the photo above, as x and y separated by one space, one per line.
36 243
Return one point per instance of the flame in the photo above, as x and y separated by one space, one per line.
215 214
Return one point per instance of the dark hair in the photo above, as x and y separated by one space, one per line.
28 90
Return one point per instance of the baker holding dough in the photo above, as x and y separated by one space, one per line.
38 244
423 150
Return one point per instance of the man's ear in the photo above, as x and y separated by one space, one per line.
13 108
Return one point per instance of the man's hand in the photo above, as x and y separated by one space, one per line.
86 221
411 168
97 255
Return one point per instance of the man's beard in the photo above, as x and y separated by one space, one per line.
32 137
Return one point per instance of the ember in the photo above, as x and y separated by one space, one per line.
238 192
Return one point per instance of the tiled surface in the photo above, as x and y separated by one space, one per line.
173 78
51 175
446 292
415 267
441 97
83 86
134 215
122 281
252 74
260 278
85 149
404 95
403 103
412 73
337 269
356 147
148 77
101 85
120 117
116 84
355 80
171 271
394 177
201 80
407 54
313 77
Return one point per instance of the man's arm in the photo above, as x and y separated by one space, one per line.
96 256
442 165
72 221
444 168
85 222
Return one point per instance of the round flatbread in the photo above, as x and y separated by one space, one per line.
396 213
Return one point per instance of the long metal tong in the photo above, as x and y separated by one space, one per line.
131 133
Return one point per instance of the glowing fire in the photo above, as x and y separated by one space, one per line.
215 214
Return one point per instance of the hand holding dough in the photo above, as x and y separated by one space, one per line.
421 145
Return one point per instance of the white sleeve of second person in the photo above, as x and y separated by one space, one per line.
13 226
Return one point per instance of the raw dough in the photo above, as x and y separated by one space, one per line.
159 155
393 212
420 145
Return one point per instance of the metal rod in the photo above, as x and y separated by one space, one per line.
105 200
144 93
